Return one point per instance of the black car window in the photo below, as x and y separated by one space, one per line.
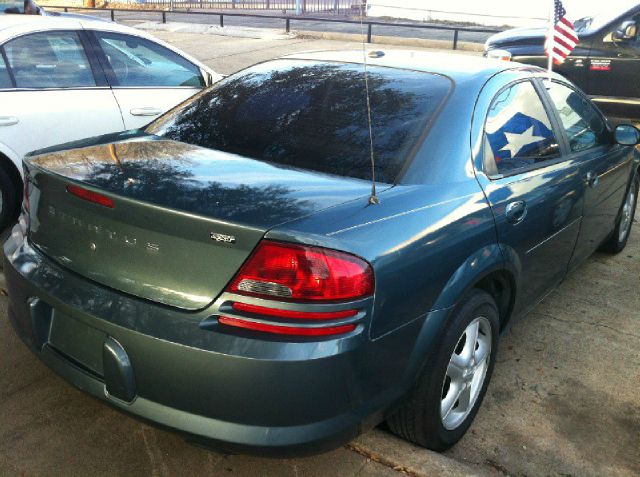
49 60
312 115
518 132
583 124
5 79
138 62
18 6
634 43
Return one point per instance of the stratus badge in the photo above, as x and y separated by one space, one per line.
222 238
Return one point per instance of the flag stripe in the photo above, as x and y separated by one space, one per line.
558 47
567 31
567 46
568 38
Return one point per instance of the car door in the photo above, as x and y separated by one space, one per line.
534 191
55 93
147 79
604 166
614 73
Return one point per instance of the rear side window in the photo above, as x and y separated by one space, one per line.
138 62
518 132
313 115
49 60
5 79
584 126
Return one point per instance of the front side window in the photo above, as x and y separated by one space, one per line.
5 79
518 132
137 62
49 60
584 126
313 115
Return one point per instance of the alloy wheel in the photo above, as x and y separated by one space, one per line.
466 373
627 214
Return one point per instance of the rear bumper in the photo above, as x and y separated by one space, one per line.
236 393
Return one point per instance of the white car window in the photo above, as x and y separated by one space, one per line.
138 62
5 79
49 60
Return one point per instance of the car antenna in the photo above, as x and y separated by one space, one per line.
373 198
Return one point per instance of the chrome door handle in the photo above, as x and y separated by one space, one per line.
148 111
516 211
8 120
593 180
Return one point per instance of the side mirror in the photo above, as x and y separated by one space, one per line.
627 135
207 77
627 31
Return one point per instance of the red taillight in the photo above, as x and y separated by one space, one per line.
293 315
90 196
286 330
301 273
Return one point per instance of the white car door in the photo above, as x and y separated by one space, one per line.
51 93
147 79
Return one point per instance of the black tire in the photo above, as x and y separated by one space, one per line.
614 243
419 418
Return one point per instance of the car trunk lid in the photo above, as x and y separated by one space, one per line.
184 219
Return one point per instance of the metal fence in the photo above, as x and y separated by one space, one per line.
305 6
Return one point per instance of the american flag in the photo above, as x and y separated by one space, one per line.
563 38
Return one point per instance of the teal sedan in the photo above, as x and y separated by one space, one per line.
310 247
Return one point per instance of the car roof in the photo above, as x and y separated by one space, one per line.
25 23
456 66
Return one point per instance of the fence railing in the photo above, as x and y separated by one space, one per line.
305 6
288 19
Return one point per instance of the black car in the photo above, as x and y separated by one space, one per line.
605 64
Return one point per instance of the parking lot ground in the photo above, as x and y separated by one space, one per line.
563 399
228 54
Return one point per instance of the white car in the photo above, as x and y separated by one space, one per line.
63 79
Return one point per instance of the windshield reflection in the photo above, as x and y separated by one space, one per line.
312 115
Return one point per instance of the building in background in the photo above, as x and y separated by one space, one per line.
488 12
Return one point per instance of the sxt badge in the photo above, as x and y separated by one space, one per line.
222 238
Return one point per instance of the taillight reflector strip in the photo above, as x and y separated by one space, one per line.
292 314
90 196
285 330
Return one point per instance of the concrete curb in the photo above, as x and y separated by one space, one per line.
392 40
203 28
393 452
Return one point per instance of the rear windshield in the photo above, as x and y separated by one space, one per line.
312 115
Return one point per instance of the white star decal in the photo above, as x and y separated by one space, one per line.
515 141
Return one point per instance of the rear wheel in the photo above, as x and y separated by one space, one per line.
9 200
450 389
620 235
